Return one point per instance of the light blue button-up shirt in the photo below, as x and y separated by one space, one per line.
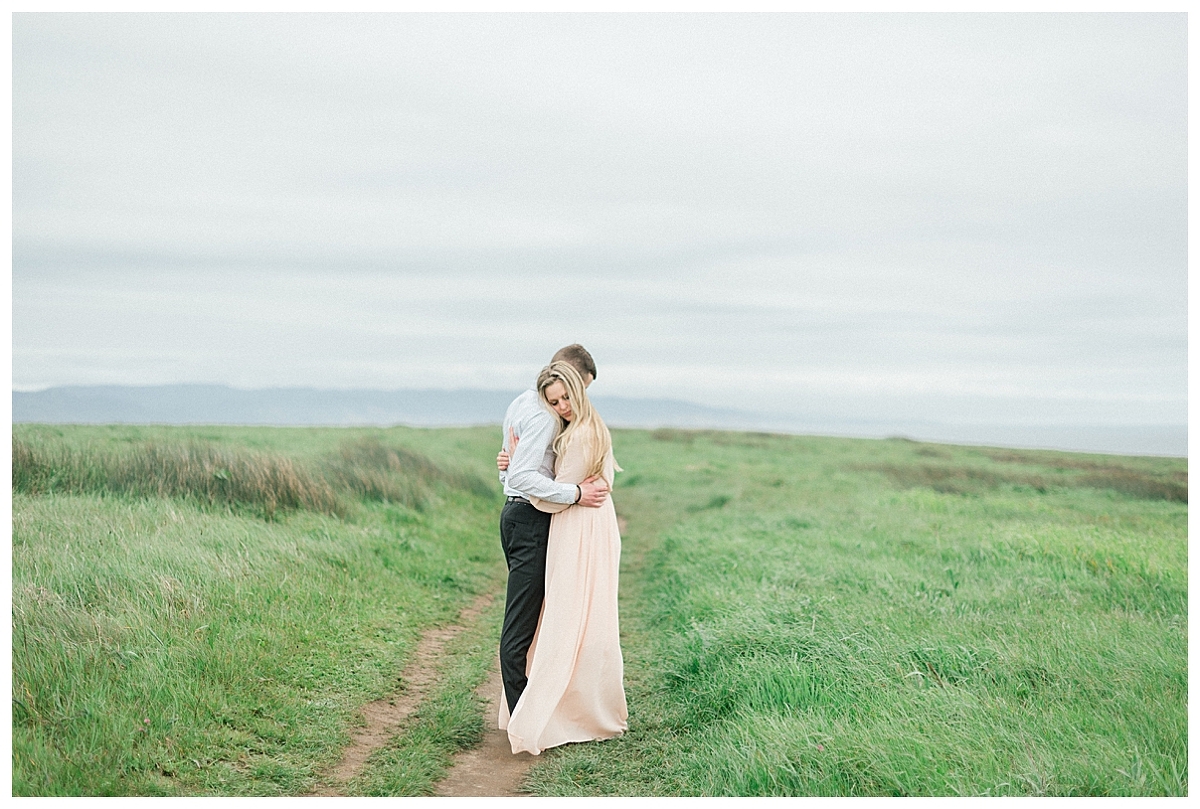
531 468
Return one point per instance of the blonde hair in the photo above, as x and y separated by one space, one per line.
585 421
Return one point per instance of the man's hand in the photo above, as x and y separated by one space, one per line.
502 461
593 492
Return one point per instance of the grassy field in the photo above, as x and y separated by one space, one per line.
204 611
800 616
816 616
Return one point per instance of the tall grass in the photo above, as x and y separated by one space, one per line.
164 646
375 471
206 473
1053 472
800 616
215 474
836 617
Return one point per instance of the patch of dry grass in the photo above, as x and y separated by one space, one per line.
215 474
207 473
1103 474
950 479
954 478
375 471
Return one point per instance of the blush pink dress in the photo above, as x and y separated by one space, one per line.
575 691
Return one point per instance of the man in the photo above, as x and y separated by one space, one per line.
523 529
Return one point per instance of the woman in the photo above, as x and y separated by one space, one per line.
575 669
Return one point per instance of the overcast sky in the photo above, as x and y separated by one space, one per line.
952 217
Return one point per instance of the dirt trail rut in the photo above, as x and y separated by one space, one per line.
386 716
489 770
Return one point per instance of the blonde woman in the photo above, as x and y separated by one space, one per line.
574 691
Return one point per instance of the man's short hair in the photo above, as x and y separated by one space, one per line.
578 356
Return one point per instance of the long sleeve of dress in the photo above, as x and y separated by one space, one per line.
570 468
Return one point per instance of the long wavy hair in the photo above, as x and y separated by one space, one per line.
585 421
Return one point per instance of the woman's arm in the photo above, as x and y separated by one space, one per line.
553 508
571 467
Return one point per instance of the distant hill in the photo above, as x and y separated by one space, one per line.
218 404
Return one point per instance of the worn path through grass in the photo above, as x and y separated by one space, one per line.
183 642
385 717
800 616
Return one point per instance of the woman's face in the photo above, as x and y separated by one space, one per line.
556 396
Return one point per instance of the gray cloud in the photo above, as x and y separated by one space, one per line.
965 216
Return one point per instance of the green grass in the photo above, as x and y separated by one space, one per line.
800 616
212 473
808 616
192 645
451 719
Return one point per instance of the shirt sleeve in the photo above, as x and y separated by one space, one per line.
524 473
571 468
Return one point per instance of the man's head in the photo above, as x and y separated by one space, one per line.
577 356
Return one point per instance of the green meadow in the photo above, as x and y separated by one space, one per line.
203 611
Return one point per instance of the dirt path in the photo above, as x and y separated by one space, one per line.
489 770
385 717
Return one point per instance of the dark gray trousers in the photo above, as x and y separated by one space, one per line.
523 534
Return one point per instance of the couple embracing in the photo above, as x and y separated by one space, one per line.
560 652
